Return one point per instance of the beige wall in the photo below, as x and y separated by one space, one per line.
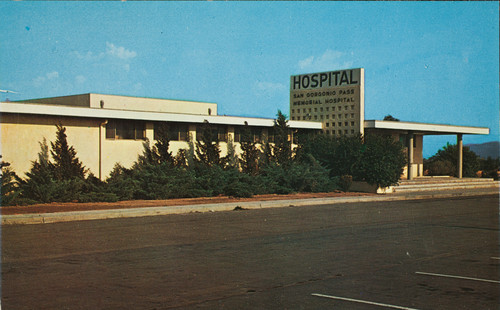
74 100
21 134
131 104
152 105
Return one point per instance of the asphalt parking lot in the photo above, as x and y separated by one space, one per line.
425 254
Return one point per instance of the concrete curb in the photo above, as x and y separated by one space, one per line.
45 218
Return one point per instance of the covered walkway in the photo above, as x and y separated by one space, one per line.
412 135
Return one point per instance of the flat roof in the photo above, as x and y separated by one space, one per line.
109 95
58 110
425 128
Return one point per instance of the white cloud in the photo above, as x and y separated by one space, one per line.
269 86
329 60
80 79
52 75
137 87
119 51
306 62
40 80
112 50
87 56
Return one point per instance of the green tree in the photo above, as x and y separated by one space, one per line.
10 187
282 148
250 153
390 118
490 167
66 165
231 160
340 155
39 184
159 153
448 156
161 146
381 162
207 146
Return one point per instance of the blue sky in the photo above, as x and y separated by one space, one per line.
435 62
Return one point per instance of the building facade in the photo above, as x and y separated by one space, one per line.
105 129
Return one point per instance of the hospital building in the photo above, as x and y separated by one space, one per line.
109 129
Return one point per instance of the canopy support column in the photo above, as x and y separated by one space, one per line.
460 155
410 155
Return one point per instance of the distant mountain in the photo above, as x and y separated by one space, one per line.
484 150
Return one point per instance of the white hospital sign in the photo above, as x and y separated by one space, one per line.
326 79
334 98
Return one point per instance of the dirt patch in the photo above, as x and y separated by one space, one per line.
73 206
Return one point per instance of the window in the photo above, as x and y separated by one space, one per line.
327 124
222 133
340 108
255 132
293 118
346 123
352 107
352 123
176 131
126 130
270 135
218 133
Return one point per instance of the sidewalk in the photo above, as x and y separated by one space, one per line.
54 217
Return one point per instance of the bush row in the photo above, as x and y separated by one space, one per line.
316 165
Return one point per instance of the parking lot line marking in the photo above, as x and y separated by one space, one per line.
364 302
456 277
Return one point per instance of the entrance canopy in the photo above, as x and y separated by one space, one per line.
424 128
411 130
